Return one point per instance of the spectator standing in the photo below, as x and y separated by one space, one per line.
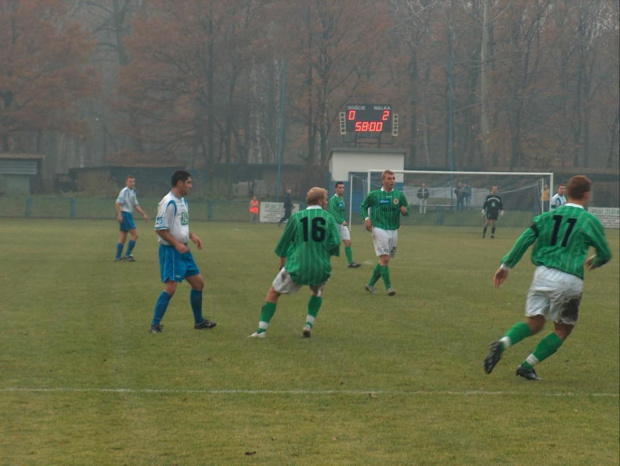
544 199
459 192
254 205
288 207
467 193
423 195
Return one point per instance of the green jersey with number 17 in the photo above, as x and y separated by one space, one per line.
384 208
562 238
310 239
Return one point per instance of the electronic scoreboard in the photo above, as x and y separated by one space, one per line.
369 118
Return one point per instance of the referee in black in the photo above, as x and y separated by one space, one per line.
492 210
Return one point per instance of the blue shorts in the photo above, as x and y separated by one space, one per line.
175 266
127 224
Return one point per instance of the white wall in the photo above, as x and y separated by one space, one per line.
342 163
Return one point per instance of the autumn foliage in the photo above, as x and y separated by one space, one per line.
44 70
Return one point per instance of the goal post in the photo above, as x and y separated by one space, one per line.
456 198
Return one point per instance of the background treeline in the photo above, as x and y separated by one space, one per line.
478 84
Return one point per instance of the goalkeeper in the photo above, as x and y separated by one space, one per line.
561 240
492 210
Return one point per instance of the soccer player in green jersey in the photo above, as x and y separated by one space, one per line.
386 206
561 240
310 239
337 209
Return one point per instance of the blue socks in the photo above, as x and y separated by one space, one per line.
119 250
195 298
160 307
130 247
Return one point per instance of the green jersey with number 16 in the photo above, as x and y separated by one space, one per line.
562 238
310 239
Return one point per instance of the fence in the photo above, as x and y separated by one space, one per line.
104 208
235 210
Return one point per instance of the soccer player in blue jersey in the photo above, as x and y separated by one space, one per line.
175 259
561 239
125 203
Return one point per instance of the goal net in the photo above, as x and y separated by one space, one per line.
456 198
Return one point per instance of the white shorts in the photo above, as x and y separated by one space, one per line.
385 241
554 294
284 284
345 234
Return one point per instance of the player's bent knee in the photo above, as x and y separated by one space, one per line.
536 324
272 295
563 330
170 287
197 282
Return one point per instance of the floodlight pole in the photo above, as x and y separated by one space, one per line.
281 136
451 114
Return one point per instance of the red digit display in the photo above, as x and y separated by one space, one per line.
369 118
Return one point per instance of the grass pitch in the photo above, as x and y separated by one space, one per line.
383 380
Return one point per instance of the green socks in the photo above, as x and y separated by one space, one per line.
547 346
314 305
385 274
349 252
266 313
517 333
381 271
376 274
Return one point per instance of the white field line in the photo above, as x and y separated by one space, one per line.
223 391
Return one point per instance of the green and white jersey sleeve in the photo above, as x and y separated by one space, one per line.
561 240
384 208
310 239
337 208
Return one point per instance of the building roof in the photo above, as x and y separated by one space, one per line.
20 156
